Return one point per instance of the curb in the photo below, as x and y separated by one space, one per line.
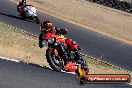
10 59
101 61
21 30
18 61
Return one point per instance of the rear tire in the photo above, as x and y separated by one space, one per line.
85 66
83 63
23 16
81 80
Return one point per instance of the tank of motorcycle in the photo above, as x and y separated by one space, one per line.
60 38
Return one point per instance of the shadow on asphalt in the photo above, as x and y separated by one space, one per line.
16 17
31 64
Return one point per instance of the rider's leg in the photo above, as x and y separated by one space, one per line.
40 40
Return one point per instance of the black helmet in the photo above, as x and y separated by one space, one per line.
24 1
46 24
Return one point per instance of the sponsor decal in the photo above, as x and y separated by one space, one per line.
104 78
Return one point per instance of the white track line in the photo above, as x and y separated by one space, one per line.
14 60
6 58
10 59
129 84
68 72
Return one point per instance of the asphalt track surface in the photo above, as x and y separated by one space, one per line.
21 75
94 44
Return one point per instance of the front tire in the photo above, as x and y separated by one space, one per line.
50 59
36 20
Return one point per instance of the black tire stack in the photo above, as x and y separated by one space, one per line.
117 4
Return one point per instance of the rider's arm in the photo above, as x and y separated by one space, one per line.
61 31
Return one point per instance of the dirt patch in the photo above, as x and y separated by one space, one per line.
20 46
105 20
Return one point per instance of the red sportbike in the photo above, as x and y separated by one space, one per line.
63 54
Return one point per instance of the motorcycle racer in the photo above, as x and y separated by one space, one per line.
27 11
21 5
47 27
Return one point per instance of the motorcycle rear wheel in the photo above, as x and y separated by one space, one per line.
81 80
23 16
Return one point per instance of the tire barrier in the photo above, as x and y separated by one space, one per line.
116 4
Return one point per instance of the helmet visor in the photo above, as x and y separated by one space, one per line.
47 26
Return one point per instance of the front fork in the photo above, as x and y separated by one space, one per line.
62 53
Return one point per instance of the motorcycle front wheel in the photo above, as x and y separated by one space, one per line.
53 60
36 19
